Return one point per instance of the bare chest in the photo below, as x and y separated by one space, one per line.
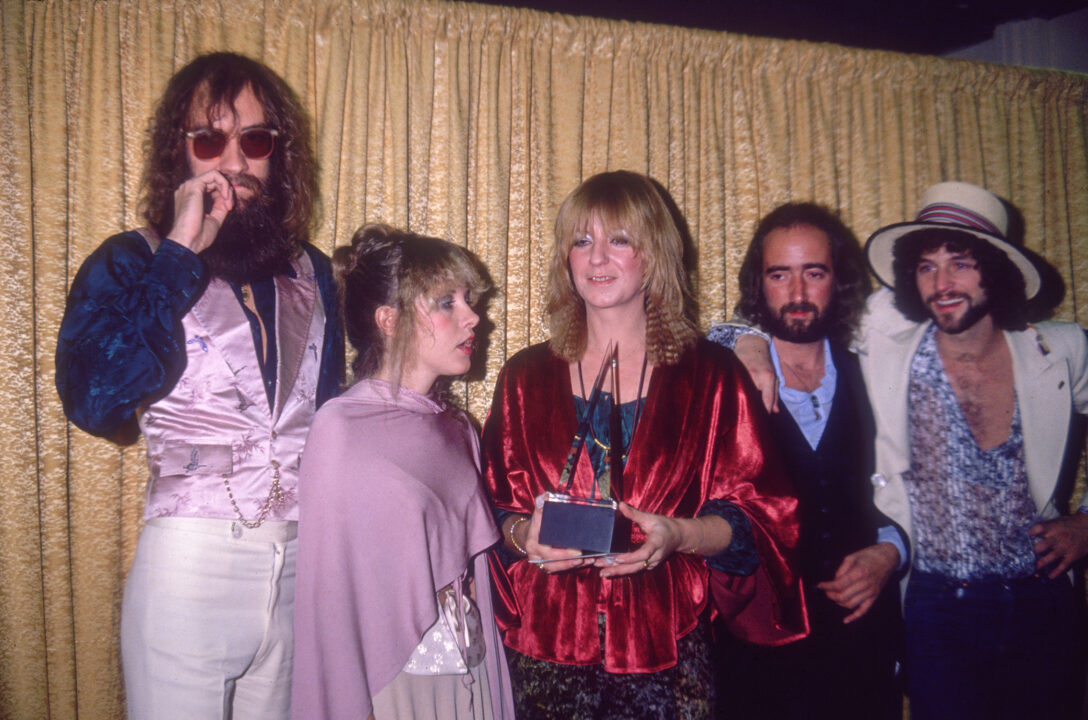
986 396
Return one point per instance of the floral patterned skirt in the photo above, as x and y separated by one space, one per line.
546 690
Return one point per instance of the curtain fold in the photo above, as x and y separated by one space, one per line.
466 122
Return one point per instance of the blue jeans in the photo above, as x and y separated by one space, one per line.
992 649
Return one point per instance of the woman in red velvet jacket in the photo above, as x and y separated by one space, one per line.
710 511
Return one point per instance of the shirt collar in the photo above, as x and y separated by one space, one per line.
824 393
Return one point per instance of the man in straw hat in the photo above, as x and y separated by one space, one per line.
975 417
978 436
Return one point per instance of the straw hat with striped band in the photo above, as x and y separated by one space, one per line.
954 206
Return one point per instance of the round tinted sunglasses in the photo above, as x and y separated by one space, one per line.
256 143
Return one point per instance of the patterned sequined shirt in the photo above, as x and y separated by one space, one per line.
971 508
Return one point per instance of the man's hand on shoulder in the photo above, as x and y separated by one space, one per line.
1060 542
755 354
861 577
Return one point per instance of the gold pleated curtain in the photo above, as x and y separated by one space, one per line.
463 121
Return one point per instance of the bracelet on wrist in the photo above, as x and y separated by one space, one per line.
694 549
510 532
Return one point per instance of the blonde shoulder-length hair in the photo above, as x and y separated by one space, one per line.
628 203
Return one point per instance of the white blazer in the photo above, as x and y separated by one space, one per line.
1050 376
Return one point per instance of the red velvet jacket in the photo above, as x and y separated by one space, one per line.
702 436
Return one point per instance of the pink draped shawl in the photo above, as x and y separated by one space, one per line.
391 510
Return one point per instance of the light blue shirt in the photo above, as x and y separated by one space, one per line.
810 411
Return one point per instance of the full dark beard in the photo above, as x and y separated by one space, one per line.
799 332
251 244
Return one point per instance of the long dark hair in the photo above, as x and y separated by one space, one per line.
213 80
852 285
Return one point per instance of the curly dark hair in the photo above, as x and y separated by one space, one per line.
852 284
215 79
1000 278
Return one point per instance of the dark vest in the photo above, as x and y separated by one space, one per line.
833 481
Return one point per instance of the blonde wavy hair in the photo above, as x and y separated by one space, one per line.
630 204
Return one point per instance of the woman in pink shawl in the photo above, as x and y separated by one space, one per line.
393 614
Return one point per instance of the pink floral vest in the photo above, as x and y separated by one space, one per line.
215 427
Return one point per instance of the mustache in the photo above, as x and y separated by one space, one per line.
944 296
249 182
802 306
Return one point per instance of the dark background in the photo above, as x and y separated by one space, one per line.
932 27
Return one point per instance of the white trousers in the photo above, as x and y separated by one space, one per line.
206 622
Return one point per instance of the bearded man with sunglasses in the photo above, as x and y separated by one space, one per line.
214 331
